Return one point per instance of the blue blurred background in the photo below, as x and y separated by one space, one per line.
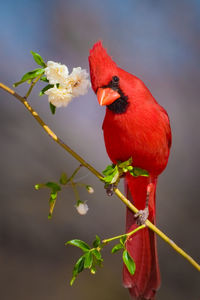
159 42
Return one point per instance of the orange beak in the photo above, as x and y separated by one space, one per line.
107 96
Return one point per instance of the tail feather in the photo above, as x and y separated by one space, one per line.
142 246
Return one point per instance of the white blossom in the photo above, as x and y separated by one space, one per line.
56 73
82 208
66 86
59 96
79 81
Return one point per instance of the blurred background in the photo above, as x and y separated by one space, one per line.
159 42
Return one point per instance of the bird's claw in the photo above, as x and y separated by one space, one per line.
110 189
141 216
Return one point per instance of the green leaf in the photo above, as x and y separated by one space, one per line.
139 172
115 175
80 244
112 174
117 248
125 164
96 242
72 280
97 254
88 260
52 108
63 178
130 264
123 240
130 168
54 186
52 202
108 170
78 268
38 59
32 74
47 87
53 196
43 78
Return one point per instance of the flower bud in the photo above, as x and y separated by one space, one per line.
82 208
90 189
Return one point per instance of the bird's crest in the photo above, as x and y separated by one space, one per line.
102 67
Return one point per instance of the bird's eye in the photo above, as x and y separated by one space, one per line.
115 79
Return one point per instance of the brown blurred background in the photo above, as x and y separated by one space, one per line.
159 42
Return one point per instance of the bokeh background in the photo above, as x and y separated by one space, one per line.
159 42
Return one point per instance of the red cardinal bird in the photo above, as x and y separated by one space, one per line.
136 126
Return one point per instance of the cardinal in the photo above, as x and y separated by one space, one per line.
136 126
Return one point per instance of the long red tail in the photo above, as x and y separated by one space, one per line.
142 246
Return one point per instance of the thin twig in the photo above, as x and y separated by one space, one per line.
33 83
122 235
97 174
74 173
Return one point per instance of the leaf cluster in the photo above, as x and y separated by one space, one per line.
127 259
90 259
34 74
113 172
54 189
29 76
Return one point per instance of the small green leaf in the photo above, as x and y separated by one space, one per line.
38 59
29 76
97 254
108 179
78 268
52 108
80 244
125 163
52 202
117 248
115 175
123 240
53 196
46 88
139 172
32 74
130 168
54 186
63 178
43 78
88 260
72 280
108 170
96 242
130 264
112 174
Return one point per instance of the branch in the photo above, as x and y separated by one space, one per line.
98 175
124 235
32 86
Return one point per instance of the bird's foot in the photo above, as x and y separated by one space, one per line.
110 188
141 216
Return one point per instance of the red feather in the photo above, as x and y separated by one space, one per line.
143 133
